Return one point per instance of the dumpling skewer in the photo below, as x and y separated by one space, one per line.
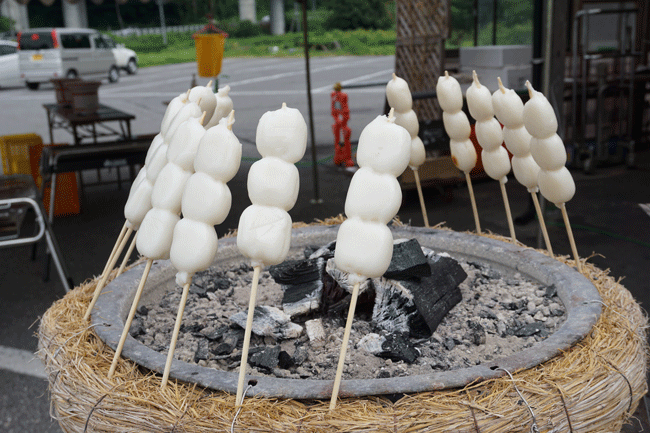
156 230
364 243
206 203
555 181
399 97
264 231
509 110
463 153
490 137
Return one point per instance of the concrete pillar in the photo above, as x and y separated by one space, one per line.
75 15
277 17
17 12
247 10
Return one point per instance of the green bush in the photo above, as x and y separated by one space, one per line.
6 24
357 14
241 29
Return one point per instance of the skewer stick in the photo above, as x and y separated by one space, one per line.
117 242
506 203
126 257
542 224
107 272
419 187
569 232
177 328
129 319
247 336
473 200
344 347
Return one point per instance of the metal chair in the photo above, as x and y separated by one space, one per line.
18 193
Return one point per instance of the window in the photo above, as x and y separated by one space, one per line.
100 43
7 49
75 40
35 41
110 43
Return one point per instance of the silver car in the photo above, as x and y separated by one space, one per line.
47 53
9 72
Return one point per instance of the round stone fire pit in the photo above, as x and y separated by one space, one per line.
579 296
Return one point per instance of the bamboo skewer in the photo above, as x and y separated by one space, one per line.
107 272
247 336
473 200
126 257
506 203
569 232
542 224
344 347
129 319
117 243
177 328
419 188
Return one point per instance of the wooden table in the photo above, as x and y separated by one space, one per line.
88 127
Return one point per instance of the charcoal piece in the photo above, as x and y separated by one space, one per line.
202 351
550 291
339 310
342 278
218 283
198 290
269 322
143 310
515 305
137 327
477 333
530 329
371 343
397 347
383 374
285 361
325 252
213 333
266 359
223 349
300 355
302 298
315 330
408 261
449 343
434 296
295 271
395 310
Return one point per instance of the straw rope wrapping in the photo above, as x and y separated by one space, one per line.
593 387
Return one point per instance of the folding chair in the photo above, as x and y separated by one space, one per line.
18 193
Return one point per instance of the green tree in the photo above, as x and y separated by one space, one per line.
357 14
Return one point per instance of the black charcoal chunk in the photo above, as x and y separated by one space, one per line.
269 322
530 329
266 359
395 311
202 351
296 271
550 291
408 261
343 278
302 298
285 361
477 333
434 296
325 252
397 347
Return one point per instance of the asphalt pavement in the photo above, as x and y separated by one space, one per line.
609 220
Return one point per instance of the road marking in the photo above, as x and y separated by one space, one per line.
21 361
645 207
356 80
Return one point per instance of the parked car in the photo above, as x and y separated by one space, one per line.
125 58
47 53
9 72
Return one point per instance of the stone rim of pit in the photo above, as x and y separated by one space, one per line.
579 296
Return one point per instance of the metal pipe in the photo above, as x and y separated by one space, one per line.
314 159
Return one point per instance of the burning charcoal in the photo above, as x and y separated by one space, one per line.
434 296
292 272
395 310
315 330
530 329
270 322
302 298
325 252
285 361
267 358
408 261
342 278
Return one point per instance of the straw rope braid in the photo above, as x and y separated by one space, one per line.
95 406
77 380
76 335
471 410
187 407
566 409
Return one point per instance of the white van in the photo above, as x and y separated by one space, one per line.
48 53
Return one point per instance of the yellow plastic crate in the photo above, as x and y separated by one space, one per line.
15 152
